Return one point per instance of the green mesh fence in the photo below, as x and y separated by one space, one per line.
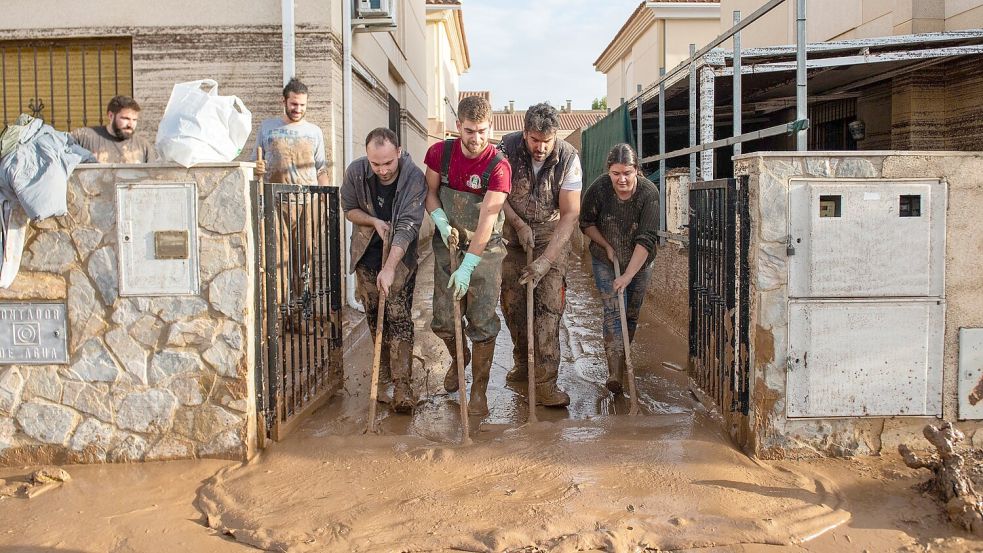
600 137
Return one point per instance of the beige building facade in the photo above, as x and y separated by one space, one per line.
447 59
656 35
239 44
830 20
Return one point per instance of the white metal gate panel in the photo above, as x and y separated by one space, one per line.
855 238
865 358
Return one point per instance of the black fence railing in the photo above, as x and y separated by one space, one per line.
300 318
719 236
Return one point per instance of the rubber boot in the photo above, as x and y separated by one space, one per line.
616 371
385 375
402 370
548 394
450 377
520 368
484 352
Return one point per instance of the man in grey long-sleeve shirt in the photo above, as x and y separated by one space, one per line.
382 195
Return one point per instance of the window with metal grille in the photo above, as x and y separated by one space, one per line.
829 125
66 82
395 118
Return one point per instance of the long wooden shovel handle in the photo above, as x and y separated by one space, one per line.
260 175
462 390
377 356
629 367
530 340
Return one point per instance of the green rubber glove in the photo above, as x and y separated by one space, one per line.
440 221
461 279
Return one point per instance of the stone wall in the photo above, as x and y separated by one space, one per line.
148 378
767 432
668 292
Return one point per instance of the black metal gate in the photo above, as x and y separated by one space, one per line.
299 350
719 237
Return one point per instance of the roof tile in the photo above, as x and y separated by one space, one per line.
505 122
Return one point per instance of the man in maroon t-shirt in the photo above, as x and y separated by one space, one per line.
467 183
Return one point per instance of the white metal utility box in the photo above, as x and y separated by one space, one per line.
866 274
866 238
158 238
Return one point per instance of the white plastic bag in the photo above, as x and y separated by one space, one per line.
200 126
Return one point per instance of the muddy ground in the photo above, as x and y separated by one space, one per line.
584 478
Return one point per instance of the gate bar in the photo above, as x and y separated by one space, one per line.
274 405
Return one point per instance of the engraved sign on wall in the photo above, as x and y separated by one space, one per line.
33 334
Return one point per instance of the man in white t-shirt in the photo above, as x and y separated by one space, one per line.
540 214
293 153
293 149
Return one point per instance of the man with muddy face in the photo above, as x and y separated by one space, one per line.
382 194
541 213
293 153
116 142
467 183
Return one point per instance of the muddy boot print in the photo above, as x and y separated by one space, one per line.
484 352
450 377
616 371
402 365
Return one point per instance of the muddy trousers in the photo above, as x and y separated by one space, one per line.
614 347
397 335
480 319
549 300
478 307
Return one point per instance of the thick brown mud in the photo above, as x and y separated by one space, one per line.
586 478
114 508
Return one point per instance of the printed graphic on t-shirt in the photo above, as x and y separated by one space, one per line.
465 174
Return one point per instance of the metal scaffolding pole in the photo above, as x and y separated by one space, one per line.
801 93
706 120
692 113
737 84
662 162
638 130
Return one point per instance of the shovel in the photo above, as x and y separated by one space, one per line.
629 368
530 350
452 243
377 359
